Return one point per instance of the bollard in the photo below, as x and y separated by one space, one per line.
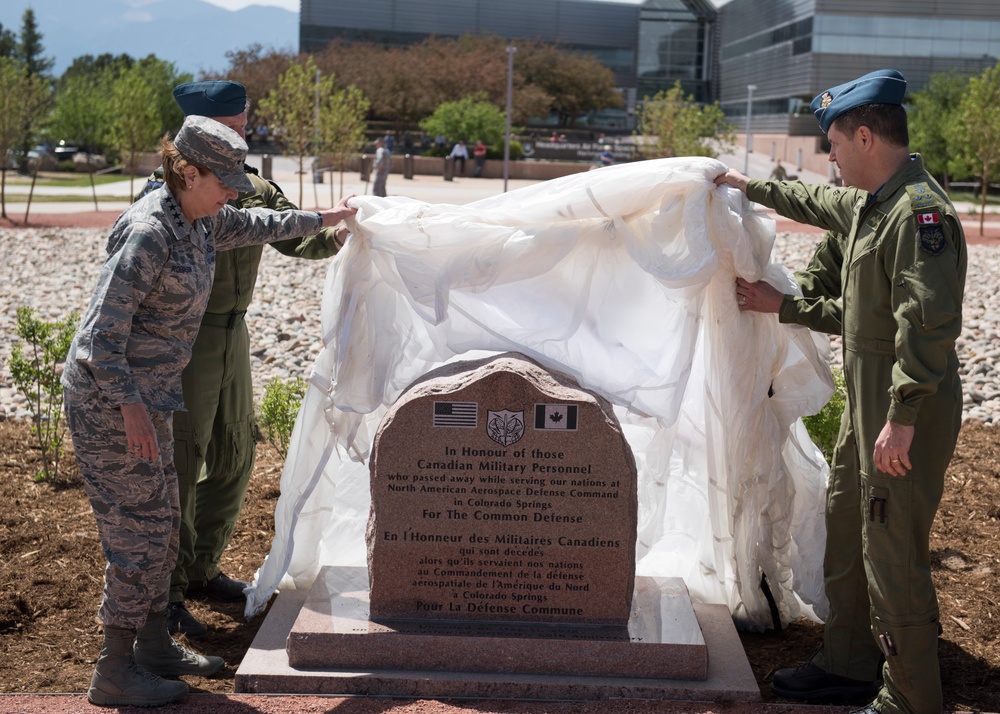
265 167
366 167
407 166
449 169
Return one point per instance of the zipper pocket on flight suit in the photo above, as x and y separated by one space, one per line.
878 507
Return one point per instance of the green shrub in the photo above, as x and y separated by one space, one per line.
278 411
36 367
824 426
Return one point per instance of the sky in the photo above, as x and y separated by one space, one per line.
294 4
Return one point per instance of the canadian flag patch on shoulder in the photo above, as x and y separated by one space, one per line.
926 219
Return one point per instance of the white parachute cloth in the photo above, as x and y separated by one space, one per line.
622 277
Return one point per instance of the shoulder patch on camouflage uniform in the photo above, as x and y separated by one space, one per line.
926 212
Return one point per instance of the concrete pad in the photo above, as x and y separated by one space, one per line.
265 670
661 640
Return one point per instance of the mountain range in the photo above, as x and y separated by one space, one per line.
192 34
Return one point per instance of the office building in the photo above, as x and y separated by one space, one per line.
791 50
647 44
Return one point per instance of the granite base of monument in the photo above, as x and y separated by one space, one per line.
322 642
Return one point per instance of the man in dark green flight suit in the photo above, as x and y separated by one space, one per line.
215 437
902 279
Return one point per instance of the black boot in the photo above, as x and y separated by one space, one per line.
182 622
222 588
118 681
811 683
157 651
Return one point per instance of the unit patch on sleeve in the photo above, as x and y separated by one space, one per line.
932 239
924 205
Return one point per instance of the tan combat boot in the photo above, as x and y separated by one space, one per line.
119 681
157 651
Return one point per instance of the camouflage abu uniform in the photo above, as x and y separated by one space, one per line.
902 281
215 437
132 345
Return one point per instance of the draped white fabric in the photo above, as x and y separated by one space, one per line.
624 278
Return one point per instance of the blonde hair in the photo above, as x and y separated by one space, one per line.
174 164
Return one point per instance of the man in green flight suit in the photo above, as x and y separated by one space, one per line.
215 437
902 278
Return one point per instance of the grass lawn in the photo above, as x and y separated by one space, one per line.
974 197
65 179
69 198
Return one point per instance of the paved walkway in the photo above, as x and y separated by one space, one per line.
115 197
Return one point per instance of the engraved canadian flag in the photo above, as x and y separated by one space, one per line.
927 218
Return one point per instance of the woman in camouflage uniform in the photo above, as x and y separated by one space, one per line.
122 384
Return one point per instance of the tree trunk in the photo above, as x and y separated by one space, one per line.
302 170
982 207
31 192
93 188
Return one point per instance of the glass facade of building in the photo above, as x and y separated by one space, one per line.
908 36
676 43
791 50
648 44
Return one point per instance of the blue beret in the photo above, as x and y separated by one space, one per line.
212 98
884 86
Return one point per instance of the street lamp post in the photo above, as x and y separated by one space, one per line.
506 134
746 155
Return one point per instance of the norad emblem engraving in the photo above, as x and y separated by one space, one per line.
505 427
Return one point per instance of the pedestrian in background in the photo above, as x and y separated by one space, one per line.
459 154
381 166
479 155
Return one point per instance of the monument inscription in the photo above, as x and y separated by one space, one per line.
502 493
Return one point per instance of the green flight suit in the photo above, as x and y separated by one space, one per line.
849 649
902 281
819 307
215 438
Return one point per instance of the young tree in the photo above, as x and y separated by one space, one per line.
342 127
91 65
979 127
934 125
469 118
135 122
257 70
8 43
83 115
23 100
82 112
29 46
673 124
162 77
291 110
28 50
